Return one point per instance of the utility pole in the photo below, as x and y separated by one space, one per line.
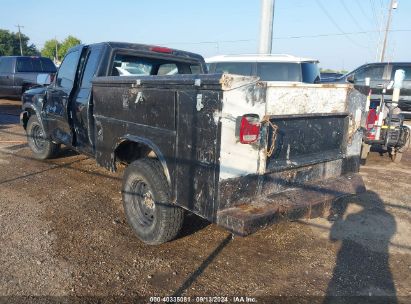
266 26
393 5
57 56
21 46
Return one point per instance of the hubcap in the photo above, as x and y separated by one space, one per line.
143 203
38 137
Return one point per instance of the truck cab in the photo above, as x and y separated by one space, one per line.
66 106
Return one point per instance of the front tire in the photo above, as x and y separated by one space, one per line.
41 147
146 201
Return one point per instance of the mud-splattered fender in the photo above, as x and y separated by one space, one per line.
149 144
32 109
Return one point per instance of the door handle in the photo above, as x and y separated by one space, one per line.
380 85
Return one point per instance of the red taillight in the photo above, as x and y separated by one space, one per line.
160 49
371 120
52 77
249 129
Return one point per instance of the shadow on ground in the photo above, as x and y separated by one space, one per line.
362 264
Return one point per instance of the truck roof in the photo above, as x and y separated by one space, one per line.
151 48
259 58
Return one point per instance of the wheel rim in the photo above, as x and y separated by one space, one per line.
38 139
142 203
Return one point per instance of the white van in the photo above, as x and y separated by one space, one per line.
269 67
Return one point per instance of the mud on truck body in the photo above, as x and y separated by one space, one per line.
231 149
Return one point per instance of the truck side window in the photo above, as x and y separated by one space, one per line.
374 72
91 68
407 70
6 65
67 70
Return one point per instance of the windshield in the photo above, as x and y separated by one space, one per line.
35 64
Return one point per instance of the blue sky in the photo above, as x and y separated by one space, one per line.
221 27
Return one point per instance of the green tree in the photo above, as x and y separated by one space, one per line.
68 43
10 44
49 49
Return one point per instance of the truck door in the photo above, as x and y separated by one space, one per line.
57 110
82 106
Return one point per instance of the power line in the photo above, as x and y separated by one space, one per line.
336 25
288 37
351 15
363 11
368 37
338 34
372 4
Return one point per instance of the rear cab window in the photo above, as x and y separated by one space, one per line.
134 65
35 65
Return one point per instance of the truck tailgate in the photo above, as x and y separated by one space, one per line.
314 134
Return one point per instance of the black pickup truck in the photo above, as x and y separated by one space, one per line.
229 148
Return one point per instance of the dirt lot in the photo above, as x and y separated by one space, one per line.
64 234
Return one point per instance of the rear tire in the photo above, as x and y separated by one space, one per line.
41 147
146 201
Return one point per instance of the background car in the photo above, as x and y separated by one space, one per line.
380 74
19 73
270 67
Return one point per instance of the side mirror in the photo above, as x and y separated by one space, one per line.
350 78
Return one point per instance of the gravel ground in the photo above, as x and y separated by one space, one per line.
64 235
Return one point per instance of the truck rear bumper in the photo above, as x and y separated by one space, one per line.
307 201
